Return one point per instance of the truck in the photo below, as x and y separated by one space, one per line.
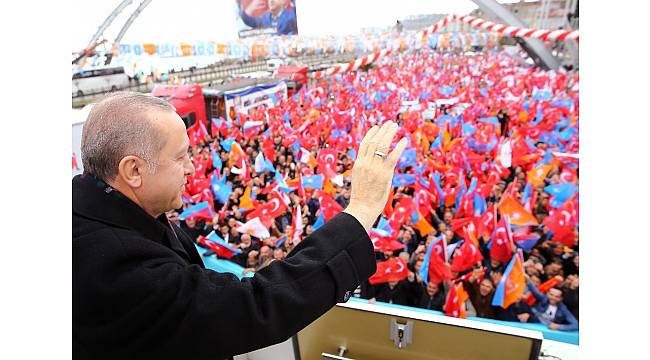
196 103
294 75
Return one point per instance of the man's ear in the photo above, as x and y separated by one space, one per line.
130 170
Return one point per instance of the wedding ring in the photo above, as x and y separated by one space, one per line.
380 154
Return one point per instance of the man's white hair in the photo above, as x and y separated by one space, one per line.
121 124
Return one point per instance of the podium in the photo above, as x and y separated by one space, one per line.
358 330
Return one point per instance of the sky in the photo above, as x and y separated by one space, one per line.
201 20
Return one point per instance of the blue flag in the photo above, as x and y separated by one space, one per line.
320 220
437 143
472 185
480 206
216 160
352 154
383 227
424 270
499 294
283 184
490 120
220 189
268 166
281 241
447 90
468 129
403 180
444 118
408 158
313 181
542 95
561 193
295 148
227 144
527 193
461 192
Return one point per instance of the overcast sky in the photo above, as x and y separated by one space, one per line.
192 20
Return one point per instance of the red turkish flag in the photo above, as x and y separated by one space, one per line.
501 249
220 250
393 269
562 223
327 160
424 198
457 225
438 270
268 148
387 243
328 207
289 140
466 256
402 212
273 208
485 224
452 304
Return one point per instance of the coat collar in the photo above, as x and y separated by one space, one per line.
93 198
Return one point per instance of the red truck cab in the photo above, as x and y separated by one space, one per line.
294 75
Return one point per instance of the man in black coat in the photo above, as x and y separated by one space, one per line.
140 289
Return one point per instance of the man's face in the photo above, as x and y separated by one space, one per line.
554 296
276 5
486 287
432 288
418 266
265 251
161 192
246 239
278 254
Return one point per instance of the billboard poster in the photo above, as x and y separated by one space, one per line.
266 17
241 101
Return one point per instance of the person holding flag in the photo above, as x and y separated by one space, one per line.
140 287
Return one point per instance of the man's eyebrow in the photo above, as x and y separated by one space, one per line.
182 151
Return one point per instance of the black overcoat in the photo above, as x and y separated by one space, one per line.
140 289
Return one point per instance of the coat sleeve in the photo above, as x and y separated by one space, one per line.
232 316
572 321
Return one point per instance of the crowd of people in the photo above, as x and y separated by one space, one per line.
507 129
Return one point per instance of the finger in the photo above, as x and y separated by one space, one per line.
375 144
370 134
387 137
394 155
